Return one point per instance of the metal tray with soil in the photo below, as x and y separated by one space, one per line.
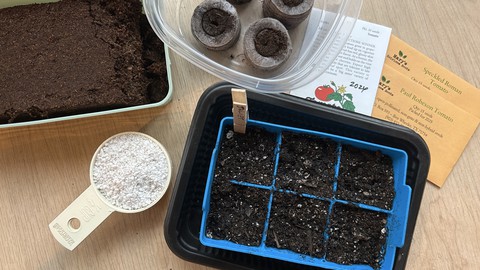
183 221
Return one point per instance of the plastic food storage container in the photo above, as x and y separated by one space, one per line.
164 101
396 217
315 42
184 217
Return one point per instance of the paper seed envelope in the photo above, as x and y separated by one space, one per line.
432 76
445 127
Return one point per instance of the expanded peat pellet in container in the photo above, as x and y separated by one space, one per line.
130 171
216 24
267 44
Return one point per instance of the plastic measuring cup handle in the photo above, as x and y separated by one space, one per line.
80 218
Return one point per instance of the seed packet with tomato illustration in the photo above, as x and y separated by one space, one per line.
338 95
351 81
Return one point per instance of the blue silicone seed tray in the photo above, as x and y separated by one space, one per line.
397 216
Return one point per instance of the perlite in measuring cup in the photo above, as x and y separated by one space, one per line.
129 173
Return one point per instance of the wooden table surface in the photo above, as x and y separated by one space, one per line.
44 168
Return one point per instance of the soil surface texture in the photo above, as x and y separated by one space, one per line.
356 236
270 42
237 213
216 21
77 56
307 164
298 224
366 177
246 157
292 3
345 235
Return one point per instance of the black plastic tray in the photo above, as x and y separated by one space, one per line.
182 224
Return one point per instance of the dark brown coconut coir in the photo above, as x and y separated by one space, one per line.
77 56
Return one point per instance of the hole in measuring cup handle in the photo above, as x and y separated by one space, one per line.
89 210
74 224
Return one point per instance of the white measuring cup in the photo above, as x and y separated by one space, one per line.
92 207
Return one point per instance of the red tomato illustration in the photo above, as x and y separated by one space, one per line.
322 92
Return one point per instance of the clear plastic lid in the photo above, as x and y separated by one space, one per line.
315 42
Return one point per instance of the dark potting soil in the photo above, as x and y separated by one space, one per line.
298 224
246 157
366 177
237 213
307 164
356 236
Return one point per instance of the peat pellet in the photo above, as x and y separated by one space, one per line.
267 44
238 2
290 12
216 24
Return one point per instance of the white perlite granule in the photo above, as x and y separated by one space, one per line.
130 171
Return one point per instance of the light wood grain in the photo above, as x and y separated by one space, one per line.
43 168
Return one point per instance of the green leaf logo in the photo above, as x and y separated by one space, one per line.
384 80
